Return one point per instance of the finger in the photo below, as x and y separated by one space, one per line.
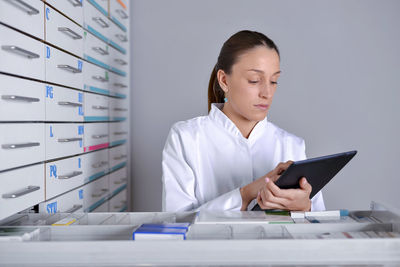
277 192
283 166
270 205
267 196
305 185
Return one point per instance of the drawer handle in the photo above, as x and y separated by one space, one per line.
120 85
22 192
19 51
120 61
68 140
120 109
14 146
120 157
101 22
120 181
75 3
69 68
70 104
120 133
100 107
103 191
100 50
27 8
99 164
98 136
74 208
70 33
69 176
122 14
100 78
121 37
20 98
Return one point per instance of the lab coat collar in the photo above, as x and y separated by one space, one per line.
221 119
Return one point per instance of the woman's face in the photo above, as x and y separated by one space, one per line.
251 84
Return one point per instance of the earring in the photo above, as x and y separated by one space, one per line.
225 99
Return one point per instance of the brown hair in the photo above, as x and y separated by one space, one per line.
236 45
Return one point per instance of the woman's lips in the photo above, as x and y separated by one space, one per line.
261 106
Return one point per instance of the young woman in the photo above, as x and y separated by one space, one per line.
230 159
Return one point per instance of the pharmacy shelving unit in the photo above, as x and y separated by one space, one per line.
105 239
64 106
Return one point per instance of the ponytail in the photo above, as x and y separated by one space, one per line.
215 93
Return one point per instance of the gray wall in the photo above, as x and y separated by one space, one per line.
339 87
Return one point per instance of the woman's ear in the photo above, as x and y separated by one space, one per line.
221 76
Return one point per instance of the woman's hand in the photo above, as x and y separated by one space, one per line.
272 197
249 192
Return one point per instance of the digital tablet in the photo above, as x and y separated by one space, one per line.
318 171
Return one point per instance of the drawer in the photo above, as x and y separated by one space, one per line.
63 139
62 32
71 8
119 85
95 50
118 179
21 144
119 202
96 22
96 193
95 165
96 107
96 79
63 69
69 203
118 156
21 189
63 104
96 136
102 208
63 175
21 100
118 62
19 50
119 13
118 38
118 109
24 15
118 133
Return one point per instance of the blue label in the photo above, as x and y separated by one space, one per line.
80 192
80 143
47 13
80 111
53 171
80 97
80 64
80 129
51 131
79 163
49 92
52 207
47 52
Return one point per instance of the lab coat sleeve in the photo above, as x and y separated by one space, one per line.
317 202
179 182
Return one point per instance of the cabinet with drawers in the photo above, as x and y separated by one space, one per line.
64 106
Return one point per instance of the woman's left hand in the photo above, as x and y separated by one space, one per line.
272 197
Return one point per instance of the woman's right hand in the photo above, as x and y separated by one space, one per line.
250 191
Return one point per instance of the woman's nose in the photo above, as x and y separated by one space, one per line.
267 90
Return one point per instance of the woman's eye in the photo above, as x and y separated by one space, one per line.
250 81
274 82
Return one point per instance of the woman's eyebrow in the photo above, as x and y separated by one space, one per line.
260 71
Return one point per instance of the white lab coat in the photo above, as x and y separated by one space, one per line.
206 160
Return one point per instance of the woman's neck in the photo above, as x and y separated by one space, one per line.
244 125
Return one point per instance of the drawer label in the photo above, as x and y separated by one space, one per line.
51 131
49 91
52 207
47 52
47 13
53 171
79 163
80 193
